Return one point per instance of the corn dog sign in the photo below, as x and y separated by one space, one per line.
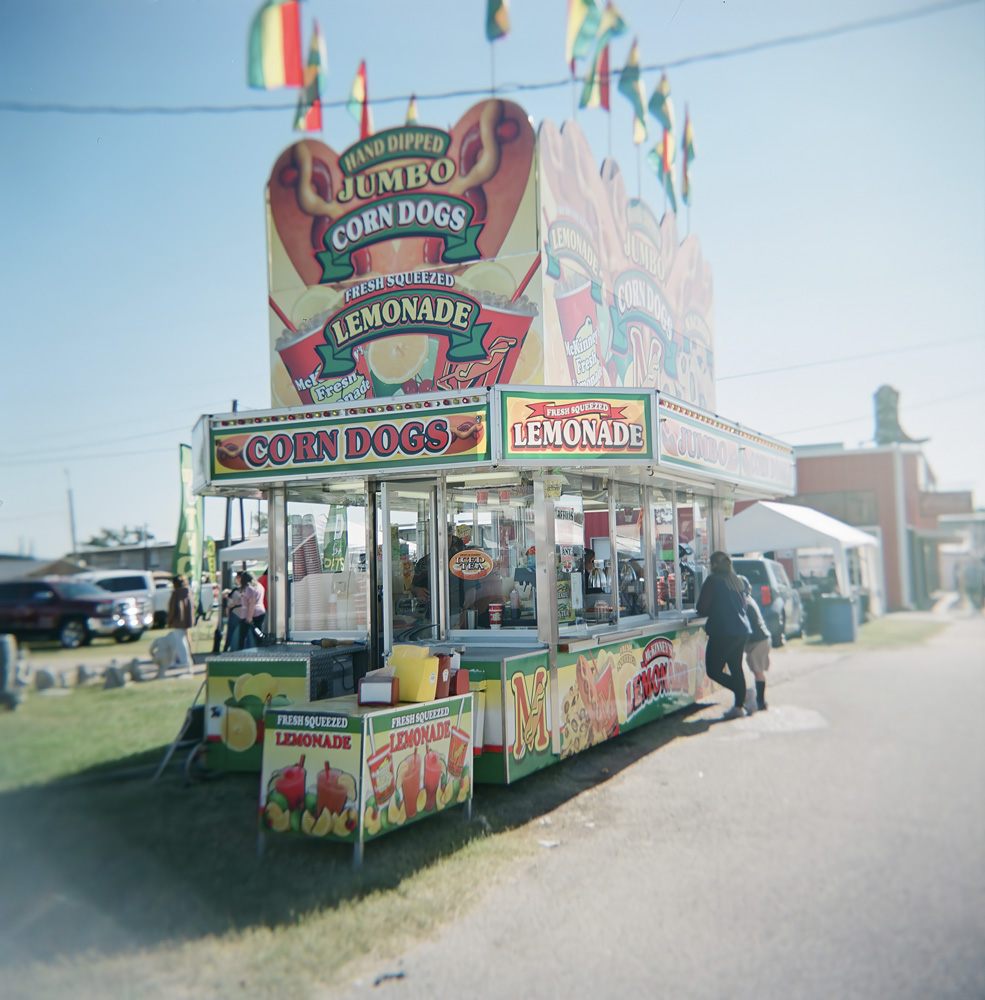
429 433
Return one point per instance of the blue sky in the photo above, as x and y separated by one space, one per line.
839 197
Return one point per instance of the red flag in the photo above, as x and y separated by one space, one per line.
604 79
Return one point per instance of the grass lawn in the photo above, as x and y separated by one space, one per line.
888 632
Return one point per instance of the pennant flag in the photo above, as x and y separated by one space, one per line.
595 93
412 111
583 22
497 19
308 118
358 106
661 106
687 149
611 24
631 85
274 58
660 159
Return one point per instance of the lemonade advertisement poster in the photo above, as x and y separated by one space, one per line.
626 302
237 696
418 761
407 263
624 685
309 781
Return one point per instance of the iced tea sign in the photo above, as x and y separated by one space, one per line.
562 425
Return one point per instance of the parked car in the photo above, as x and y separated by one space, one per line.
775 595
70 610
135 583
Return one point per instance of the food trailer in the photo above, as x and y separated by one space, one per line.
493 438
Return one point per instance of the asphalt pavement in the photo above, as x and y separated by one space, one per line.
829 847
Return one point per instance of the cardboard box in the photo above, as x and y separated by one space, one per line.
418 676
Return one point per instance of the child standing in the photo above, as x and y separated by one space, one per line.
757 646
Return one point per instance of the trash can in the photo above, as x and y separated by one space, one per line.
838 620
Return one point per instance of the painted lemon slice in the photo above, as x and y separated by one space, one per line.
262 685
239 729
307 823
396 359
314 302
490 276
530 365
239 688
323 824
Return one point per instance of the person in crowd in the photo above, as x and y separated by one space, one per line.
420 585
180 619
591 586
723 602
251 611
230 602
757 645
973 579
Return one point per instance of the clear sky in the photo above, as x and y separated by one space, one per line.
839 195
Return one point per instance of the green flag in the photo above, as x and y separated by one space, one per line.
497 19
661 106
660 159
631 85
595 93
187 558
336 540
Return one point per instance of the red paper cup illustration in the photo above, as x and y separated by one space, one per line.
578 315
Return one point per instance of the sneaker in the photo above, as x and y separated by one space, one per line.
737 712
761 706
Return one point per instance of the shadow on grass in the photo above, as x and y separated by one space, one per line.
105 864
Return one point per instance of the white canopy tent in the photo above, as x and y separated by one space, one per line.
250 550
771 527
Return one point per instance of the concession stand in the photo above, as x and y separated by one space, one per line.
492 470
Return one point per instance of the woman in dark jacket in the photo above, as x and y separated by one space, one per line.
180 619
723 602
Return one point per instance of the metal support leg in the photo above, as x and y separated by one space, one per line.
357 855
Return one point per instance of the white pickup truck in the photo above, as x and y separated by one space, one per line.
152 590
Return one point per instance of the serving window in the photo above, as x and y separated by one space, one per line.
490 532
328 582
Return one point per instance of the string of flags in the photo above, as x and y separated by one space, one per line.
275 60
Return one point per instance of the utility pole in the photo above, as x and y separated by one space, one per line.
71 513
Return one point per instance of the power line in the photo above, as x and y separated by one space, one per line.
820 34
854 357
86 458
133 437
855 420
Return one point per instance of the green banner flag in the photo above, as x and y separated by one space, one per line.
336 540
187 558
